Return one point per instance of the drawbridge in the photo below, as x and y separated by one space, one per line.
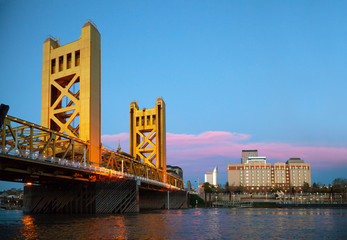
64 154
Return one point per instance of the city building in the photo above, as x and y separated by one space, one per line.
299 172
212 177
189 186
208 177
248 153
255 174
175 170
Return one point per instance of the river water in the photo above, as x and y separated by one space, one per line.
180 224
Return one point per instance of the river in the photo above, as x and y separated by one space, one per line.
193 223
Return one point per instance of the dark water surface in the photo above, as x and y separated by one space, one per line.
181 224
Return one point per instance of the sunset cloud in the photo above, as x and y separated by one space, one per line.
200 152
206 138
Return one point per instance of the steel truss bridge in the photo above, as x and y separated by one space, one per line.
35 154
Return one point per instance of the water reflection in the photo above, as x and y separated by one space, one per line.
179 224
28 231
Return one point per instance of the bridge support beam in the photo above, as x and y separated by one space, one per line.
101 197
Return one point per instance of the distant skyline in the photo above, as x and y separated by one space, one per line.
266 75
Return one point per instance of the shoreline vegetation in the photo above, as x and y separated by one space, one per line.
264 201
316 196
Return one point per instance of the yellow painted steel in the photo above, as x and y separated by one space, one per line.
71 105
33 141
71 88
148 134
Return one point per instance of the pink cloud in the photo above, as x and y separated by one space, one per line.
206 138
220 148
115 137
112 141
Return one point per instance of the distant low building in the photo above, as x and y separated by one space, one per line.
4 194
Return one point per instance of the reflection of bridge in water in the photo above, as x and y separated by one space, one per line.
64 159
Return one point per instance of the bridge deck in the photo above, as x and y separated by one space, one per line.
32 153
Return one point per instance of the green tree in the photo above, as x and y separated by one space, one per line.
226 187
239 189
316 187
306 187
339 184
207 187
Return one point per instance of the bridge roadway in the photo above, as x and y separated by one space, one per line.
66 181
21 166
32 151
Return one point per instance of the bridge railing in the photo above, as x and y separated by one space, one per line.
38 140
28 140
126 163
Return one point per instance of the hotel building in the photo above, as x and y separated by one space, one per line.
255 174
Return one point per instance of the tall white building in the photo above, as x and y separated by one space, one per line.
212 177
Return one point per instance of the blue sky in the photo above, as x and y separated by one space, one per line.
274 70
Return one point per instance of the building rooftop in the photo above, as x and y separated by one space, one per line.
256 159
295 160
169 166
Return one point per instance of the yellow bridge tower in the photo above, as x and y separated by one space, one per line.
71 88
148 134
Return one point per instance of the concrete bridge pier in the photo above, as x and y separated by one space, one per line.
99 197
114 197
